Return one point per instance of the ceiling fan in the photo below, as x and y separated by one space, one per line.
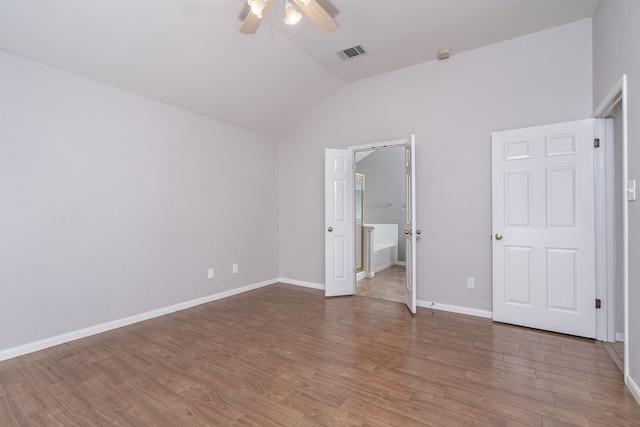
311 8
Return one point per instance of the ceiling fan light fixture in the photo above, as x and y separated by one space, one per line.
292 15
257 6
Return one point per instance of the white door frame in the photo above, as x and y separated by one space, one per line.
392 144
604 164
615 99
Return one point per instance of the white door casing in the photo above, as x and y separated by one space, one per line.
543 213
339 223
411 231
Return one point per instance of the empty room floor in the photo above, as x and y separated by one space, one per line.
286 355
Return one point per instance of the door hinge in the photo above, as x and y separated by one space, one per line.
598 303
596 143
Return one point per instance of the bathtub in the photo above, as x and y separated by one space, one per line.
381 247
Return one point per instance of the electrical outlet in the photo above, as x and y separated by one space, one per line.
210 273
471 283
235 268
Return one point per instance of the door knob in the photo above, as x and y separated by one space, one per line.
498 236
418 231
407 232
330 229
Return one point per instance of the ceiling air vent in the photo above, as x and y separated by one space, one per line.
351 52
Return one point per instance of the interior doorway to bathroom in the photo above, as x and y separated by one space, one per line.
340 165
380 217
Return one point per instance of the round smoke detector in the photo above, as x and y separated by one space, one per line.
444 53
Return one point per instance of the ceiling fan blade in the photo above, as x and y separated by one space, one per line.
252 22
318 15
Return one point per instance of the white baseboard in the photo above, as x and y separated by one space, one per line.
301 283
620 336
384 267
402 263
426 304
455 309
93 330
633 387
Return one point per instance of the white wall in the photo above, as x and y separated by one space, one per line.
452 107
112 205
616 40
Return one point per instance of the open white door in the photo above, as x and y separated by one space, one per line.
543 225
410 230
339 224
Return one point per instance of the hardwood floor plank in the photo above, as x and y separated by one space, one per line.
223 383
536 406
479 402
377 415
375 384
487 365
319 413
255 420
142 414
603 412
104 394
250 401
525 386
72 396
57 419
24 400
286 355
556 389
10 415
542 366
450 410
80 366
323 388
116 370
102 416
188 413
611 370
418 383
286 365
151 391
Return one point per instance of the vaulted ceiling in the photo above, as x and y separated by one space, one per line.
189 53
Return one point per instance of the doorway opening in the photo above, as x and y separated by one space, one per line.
380 218
340 254
614 322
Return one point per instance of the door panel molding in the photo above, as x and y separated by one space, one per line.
339 223
543 200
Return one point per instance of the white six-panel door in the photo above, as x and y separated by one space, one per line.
543 228
339 231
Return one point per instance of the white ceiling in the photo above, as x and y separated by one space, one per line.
189 53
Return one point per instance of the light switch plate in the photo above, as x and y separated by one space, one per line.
631 190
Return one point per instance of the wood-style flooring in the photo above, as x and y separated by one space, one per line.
284 355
